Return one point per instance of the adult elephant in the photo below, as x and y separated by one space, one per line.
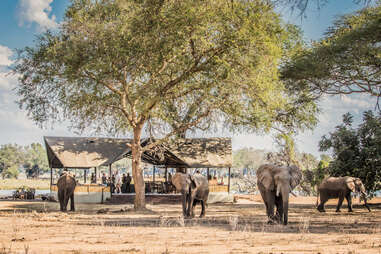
340 187
275 184
193 189
66 186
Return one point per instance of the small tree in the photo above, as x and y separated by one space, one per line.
35 160
356 152
11 157
137 67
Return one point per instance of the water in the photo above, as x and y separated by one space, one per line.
7 193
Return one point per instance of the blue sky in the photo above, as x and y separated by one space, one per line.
22 20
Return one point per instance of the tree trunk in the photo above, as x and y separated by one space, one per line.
137 174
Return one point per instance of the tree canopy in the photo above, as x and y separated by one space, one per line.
356 151
346 61
137 67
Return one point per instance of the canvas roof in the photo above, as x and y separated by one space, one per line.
79 152
83 152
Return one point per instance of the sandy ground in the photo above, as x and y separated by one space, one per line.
38 227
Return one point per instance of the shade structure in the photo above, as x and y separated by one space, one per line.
191 153
84 152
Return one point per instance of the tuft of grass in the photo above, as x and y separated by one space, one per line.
304 225
233 223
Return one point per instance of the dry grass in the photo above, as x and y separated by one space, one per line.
11 184
25 227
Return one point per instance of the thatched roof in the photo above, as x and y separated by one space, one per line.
73 152
79 152
192 153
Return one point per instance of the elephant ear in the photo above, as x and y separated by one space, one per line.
296 176
350 182
177 181
265 178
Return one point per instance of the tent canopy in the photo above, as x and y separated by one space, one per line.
79 152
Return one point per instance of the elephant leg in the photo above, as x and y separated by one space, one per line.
270 197
66 201
184 203
349 202
72 203
193 206
323 200
279 209
202 208
341 199
61 199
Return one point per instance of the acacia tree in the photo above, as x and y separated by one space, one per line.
135 66
346 61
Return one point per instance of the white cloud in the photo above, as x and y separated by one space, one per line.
37 11
5 54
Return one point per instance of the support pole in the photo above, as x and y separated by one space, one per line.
153 174
229 181
84 175
51 178
166 174
207 173
95 169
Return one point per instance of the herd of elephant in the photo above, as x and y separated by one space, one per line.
275 184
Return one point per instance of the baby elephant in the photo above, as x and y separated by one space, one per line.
340 187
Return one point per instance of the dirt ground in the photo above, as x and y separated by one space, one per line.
38 227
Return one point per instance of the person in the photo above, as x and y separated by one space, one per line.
128 182
93 179
117 182
124 183
104 179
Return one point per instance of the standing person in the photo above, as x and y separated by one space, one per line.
104 179
124 183
128 182
92 179
117 182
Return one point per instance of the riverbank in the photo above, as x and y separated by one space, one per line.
12 184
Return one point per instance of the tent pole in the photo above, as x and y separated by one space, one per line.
229 181
207 173
84 176
166 174
95 169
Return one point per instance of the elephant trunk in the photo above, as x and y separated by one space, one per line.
285 196
363 196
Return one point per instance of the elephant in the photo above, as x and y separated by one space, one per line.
340 187
66 186
193 189
275 184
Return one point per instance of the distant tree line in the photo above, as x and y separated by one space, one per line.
14 159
